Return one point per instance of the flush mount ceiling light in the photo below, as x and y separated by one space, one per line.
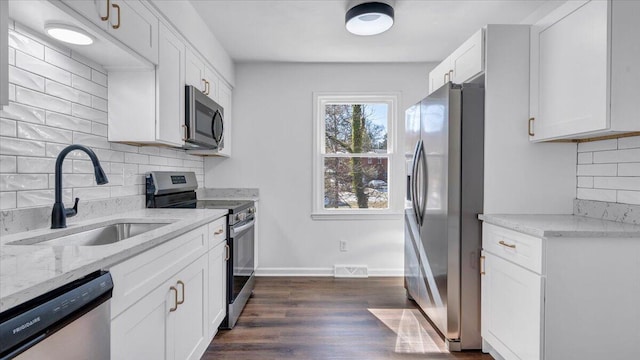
370 18
69 34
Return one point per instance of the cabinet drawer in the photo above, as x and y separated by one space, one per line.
217 232
136 277
519 248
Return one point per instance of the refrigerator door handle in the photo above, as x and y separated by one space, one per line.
422 205
414 184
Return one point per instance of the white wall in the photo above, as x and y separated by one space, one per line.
609 170
272 151
58 98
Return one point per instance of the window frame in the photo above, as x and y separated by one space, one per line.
320 100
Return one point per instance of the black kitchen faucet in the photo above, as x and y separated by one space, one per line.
59 214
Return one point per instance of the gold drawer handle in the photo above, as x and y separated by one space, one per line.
105 18
175 297
511 246
531 120
181 301
482 272
226 252
218 232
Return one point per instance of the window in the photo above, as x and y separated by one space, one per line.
353 151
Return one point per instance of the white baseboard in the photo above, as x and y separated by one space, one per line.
265 271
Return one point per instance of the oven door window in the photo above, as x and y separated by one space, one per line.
242 249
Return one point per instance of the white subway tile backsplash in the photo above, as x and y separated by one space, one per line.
99 78
66 62
611 144
8 164
585 181
58 97
8 128
629 142
598 170
89 113
614 175
33 98
67 93
617 156
44 133
11 146
68 122
7 200
21 112
38 165
629 169
91 140
13 182
136 158
99 129
26 79
42 68
629 197
596 194
89 86
99 103
26 45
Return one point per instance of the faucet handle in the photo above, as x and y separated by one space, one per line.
72 211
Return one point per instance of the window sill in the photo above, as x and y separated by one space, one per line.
357 216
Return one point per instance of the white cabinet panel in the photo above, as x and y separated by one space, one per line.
170 73
195 71
511 309
213 83
439 75
582 57
217 286
94 10
467 61
133 24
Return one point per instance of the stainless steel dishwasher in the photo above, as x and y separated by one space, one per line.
71 323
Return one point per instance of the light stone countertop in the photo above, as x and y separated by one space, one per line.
563 226
27 271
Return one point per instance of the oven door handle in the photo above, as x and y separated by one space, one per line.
235 230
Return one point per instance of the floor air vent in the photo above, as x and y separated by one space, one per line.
350 271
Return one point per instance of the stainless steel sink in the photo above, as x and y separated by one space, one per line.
101 235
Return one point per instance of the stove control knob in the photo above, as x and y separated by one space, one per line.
241 216
252 210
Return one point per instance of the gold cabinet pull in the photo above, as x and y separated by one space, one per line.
204 89
531 120
444 78
116 26
208 87
181 301
105 18
226 251
184 132
218 232
450 74
175 298
511 246
482 265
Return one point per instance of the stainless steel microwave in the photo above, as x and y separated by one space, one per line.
204 121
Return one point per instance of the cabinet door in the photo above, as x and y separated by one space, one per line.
195 71
217 286
511 309
170 88
136 26
141 331
94 10
569 92
226 101
189 321
213 83
467 61
439 75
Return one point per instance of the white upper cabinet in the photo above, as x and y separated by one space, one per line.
127 20
195 72
170 88
213 84
585 68
463 65
4 53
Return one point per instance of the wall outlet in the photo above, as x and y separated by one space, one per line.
343 245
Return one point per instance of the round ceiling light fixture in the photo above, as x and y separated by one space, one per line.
69 34
369 18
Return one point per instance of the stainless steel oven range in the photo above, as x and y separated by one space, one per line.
166 189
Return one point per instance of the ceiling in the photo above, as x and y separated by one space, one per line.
313 30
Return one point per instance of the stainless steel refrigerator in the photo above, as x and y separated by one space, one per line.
444 151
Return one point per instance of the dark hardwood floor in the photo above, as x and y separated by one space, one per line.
327 318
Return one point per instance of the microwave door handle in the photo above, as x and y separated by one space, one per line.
218 137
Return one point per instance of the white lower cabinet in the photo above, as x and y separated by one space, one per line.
560 297
169 301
